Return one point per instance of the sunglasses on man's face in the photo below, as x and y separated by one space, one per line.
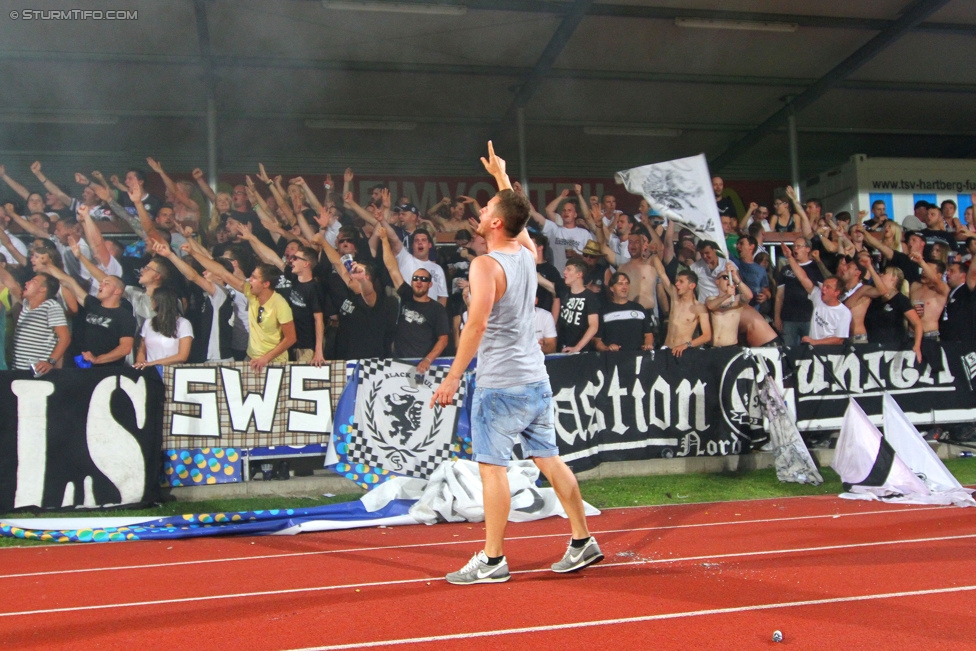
343 241
723 277
421 279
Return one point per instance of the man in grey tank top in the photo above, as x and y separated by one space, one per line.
513 399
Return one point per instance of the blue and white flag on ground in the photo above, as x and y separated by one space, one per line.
680 190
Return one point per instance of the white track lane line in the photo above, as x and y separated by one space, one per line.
643 618
373 584
351 550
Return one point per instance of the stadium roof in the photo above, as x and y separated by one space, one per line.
405 87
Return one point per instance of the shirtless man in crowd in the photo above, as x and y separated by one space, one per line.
687 314
641 273
726 308
931 293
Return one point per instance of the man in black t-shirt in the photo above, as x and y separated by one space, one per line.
624 325
109 329
958 322
422 327
726 208
547 297
793 309
304 295
579 311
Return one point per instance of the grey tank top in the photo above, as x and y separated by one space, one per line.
509 354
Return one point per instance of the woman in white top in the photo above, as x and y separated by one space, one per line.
166 338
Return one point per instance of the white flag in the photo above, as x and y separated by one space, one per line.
680 190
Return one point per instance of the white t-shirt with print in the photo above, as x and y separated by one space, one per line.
562 240
828 321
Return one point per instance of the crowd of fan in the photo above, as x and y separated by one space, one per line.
275 272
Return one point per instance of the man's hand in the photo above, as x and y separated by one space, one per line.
680 348
134 195
385 198
423 365
571 349
81 179
466 199
444 395
764 295
348 176
327 184
162 249
806 340
787 252
260 363
36 168
75 246
577 189
753 206
83 213
197 173
791 193
42 367
262 175
88 357
154 165
815 254
297 181
613 347
493 165
347 199
318 360
918 353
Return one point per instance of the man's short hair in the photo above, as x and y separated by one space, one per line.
269 273
42 216
922 203
141 175
348 232
514 209
950 201
843 216
876 202
542 240
462 234
309 254
817 202
167 205
970 240
755 228
706 244
641 229
51 284
615 278
164 266
939 265
413 237
750 240
838 282
630 218
579 265
689 274
68 222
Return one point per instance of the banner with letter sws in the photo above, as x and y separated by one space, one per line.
229 405
939 391
80 438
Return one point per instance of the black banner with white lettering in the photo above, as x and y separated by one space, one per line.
86 438
630 406
937 391
625 406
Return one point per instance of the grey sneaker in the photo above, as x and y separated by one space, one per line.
479 571
577 559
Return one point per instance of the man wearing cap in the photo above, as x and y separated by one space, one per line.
597 269
916 222
566 239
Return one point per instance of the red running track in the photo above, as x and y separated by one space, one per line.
827 572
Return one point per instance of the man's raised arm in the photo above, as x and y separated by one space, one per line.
49 184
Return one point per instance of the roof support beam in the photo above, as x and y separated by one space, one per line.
913 15
542 67
206 51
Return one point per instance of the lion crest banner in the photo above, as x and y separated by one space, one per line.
392 429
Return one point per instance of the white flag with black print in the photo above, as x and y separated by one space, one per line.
680 190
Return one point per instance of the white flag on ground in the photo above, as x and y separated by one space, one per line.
871 469
680 190
920 457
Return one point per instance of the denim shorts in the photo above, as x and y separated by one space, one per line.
501 417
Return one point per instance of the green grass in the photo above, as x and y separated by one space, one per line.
602 493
